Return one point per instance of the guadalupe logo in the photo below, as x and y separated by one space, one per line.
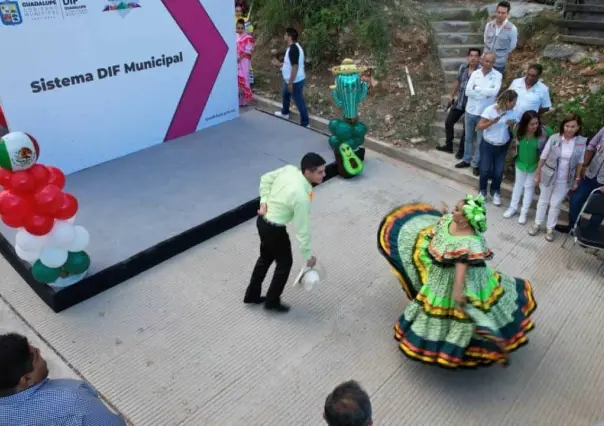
123 7
10 14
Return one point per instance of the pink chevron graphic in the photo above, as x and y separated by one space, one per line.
211 49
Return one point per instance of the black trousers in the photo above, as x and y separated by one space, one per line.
275 246
452 118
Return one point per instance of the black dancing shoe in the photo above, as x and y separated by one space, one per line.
255 301
279 308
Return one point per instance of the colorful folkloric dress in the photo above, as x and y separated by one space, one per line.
416 241
245 48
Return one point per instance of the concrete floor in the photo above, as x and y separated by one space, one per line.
175 345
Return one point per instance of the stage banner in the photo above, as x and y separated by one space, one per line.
95 80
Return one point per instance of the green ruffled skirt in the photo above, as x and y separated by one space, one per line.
433 328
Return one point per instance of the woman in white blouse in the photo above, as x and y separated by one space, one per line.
559 171
495 122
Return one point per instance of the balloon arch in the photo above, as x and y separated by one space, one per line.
33 202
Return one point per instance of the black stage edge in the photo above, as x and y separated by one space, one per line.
94 284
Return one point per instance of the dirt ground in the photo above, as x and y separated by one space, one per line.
389 110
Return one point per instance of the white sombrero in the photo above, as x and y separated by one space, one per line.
309 277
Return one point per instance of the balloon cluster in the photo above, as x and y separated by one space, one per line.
32 200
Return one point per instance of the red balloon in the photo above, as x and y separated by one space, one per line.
68 209
23 183
5 177
56 177
13 205
47 200
40 174
39 225
13 221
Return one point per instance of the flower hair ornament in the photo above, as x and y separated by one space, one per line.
475 211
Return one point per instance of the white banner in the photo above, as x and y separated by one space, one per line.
96 80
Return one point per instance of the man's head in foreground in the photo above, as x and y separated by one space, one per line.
348 405
21 365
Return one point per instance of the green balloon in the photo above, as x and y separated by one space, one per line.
77 263
44 274
334 142
340 128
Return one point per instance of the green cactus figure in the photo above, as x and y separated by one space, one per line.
348 92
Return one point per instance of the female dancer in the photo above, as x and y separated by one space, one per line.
245 47
462 312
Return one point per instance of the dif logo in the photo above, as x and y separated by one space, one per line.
74 7
10 14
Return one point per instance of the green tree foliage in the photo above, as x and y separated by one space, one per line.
326 23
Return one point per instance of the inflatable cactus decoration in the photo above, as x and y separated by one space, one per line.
348 133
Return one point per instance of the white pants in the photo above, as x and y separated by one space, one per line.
551 196
525 182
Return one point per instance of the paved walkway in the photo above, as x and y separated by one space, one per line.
175 345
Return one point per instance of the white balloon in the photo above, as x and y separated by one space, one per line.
62 235
28 256
53 257
29 242
81 240
71 219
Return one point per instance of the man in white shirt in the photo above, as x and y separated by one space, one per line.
533 95
293 78
500 36
482 89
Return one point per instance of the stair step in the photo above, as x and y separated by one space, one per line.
451 13
452 64
459 38
453 26
440 115
450 77
438 129
443 141
457 50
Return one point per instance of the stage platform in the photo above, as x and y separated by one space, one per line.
144 208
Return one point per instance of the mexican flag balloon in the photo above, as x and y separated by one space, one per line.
18 151
33 201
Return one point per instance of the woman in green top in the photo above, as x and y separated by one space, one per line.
462 312
526 143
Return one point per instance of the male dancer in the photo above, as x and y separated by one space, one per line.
285 195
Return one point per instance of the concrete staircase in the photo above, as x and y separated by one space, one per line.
454 33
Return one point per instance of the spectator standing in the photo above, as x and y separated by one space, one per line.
526 146
559 170
293 78
593 177
500 36
496 121
533 94
348 405
457 102
28 397
481 90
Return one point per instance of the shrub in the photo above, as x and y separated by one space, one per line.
325 22
588 108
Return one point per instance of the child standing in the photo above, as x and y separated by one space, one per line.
526 144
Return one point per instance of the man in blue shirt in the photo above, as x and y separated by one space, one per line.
29 398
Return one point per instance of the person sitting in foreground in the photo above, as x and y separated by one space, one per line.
348 405
28 397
